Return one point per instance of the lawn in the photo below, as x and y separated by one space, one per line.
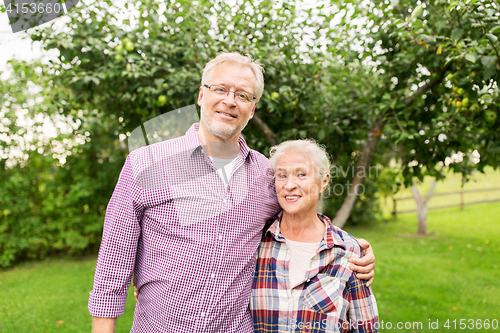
451 274
51 296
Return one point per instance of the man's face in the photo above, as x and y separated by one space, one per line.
223 116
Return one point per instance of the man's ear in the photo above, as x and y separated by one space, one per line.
253 111
200 96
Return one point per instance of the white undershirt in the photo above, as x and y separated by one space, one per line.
224 167
300 258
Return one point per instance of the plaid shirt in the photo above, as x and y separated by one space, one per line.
329 299
189 240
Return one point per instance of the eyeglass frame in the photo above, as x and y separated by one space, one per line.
229 91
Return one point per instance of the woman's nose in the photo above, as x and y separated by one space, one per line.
290 183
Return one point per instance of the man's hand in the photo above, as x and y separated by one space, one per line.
136 292
364 267
103 325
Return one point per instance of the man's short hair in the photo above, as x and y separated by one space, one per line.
235 57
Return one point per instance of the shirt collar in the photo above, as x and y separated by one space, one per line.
330 238
193 142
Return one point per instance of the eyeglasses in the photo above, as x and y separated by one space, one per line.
241 96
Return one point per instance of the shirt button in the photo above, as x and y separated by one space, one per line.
220 237
212 275
308 280
202 314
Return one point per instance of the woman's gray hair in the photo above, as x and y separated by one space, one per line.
235 57
317 154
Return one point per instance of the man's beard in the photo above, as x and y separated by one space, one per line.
220 129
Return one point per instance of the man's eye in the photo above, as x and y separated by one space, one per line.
219 90
243 96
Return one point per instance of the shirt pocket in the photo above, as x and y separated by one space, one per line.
322 295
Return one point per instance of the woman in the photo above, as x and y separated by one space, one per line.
302 281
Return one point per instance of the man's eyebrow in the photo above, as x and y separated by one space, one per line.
224 84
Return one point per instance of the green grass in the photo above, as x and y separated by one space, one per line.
452 183
51 296
453 274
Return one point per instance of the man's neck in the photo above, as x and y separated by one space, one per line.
217 147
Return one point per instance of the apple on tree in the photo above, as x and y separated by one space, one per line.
490 116
162 100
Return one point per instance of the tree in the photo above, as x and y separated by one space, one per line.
436 66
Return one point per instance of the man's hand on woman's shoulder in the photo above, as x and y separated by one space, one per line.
364 267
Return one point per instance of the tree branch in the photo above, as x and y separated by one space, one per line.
268 134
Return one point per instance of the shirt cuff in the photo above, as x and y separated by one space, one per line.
106 306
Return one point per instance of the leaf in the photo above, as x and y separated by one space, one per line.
489 72
471 56
488 61
439 50
416 12
492 38
428 39
159 82
456 34
321 134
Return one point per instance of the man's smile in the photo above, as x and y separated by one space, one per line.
225 114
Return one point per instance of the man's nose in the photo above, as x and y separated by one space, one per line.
230 100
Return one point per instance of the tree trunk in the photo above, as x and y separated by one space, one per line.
367 154
362 168
422 207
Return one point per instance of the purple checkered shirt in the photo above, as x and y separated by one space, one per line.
189 240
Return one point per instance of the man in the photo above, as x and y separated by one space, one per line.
186 218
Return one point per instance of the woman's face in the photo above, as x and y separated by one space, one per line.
298 185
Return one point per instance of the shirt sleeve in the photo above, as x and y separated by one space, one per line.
115 263
363 312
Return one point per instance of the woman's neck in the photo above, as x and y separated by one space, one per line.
302 228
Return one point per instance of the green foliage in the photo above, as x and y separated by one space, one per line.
429 58
49 207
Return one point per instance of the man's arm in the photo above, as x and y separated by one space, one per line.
103 325
117 253
364 267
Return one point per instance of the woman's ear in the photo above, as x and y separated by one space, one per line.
325 182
